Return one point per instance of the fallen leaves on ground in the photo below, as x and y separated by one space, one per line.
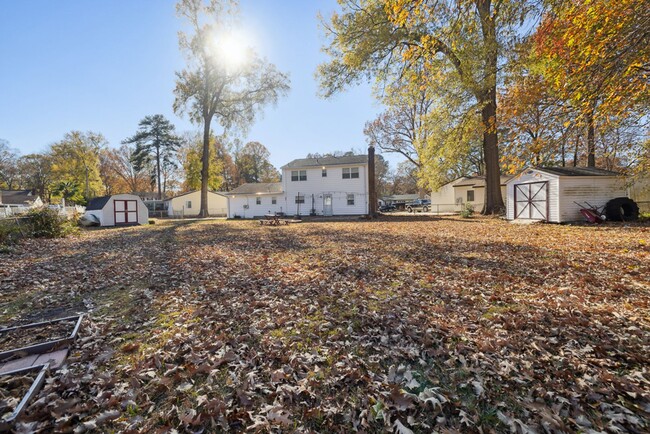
402 325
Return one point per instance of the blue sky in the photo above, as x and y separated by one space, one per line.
104 65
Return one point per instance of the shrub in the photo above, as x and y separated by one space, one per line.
47 223
467 211
9 232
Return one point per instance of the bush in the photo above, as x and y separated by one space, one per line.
467 211
9 232
47 223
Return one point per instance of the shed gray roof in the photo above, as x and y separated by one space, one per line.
258 187
16 197
577 171
97 203
326 161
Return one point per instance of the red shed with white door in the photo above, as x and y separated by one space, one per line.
118 210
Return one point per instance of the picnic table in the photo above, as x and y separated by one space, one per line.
274 220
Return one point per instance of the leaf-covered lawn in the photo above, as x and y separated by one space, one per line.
395 325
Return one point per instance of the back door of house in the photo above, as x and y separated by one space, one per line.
327 204
531 201
126 211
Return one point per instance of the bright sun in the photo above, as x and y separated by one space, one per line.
232 50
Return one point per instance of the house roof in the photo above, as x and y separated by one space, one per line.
478 181
16 197
97 203
577 171
258 187
221 193
326 161
396 197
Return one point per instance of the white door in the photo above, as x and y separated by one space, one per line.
120 211
132 211
126 211
327 205
531 201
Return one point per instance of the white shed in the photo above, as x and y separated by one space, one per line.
118 209
189 204
550 193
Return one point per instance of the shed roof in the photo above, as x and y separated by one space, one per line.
577 171
258 187
17 197
97 203
326 161
396 197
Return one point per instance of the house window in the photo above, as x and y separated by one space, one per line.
300 199
274 200
350 199
470 195
350 172
258 201
188 204
299 175
324 173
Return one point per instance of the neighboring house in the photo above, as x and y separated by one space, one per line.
310 186
471 190
326 186
444 199
454 195
550 193
189 204
19 199
256 200
117 210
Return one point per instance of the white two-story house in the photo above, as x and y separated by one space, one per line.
323 186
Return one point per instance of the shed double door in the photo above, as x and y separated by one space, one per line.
531 201
126 211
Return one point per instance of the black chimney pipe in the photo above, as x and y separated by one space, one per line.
372 190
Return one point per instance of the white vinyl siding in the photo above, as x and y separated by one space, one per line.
245 205
178 206
316 186
564 191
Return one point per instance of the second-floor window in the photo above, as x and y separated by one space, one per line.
258 201
350 172
324 173
299 175
274 200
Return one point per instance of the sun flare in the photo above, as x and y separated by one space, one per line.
232 49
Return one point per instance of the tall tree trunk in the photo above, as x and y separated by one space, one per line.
575 150
205 169
488 101
158 172
493 198
591 139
